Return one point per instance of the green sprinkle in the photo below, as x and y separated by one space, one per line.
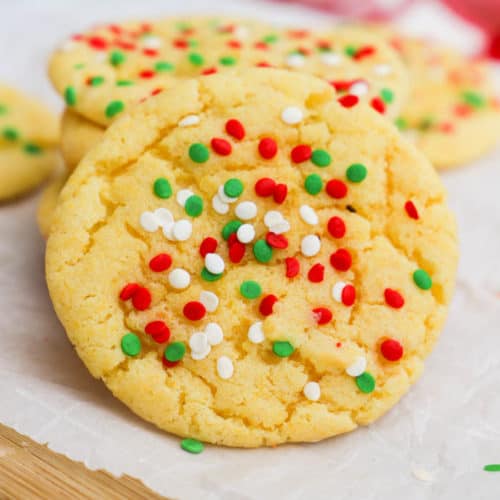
113 108
196 59
262 251
162 66
96 81
10 134
194 206
401 123
283 348
321 158
474 99
131 344
230 228
387 95
183 26
175 351
426 123
162 188
365 382
70 96
492 468
3 109
198 152
356 172
116 58
124 83
272 38
228 60
250 289
193 43
32 149
422 279
192 446
233 188
350 50
313 184
79 66
208 276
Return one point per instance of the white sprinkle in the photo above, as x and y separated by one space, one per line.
164 216
182 230
179 278
255 333
312 391
209 300
67 46
214 333
246 210
198 342
310 245
189 121
292 115
359 88
331 58
357 368
197 356
183 195
280 227
168 231
100 57
224 197
337 290
149 222
382 69
241 32
272 217
214 263
151 42
295 60
219 206
308 215
245 233
225 367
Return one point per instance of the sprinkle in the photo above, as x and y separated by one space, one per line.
391 349
148 222
422 279
131 344
313 183
95 81
179 278
321 158
219 206
146 74
175 351
344 293
116 58
262 251
356 172
292 267
214 333
301 153
32 149
363 52
151 42
382 69
265 187
280 193
209 300
224 197
189 121
276 240
393 298
214 263
182 230
387 95
401 123
225 367
359 88
365 382
233 188
292 115
192 446
256 333
208 245
310 245
411 210
357 367
230 228
208 276
194 310
141 299
473 99
312 391
158 330
245 233
236 252
246 210
221 146
322 315
127 292
316 274
235 129
198 343
163 216
160 262
336 188
196 59
10 134
70 96
283 348
113 108
97 43
331 59
272 217
250 289
194 206
308 215
378 104
267 149
162 188
336 227
492 468
267 304
295 60
341 260
348 101
198 152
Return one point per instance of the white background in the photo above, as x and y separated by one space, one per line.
432 445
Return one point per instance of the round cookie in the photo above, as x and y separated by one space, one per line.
28 139
112 68
244 261
48 202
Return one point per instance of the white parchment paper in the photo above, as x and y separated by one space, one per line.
432 445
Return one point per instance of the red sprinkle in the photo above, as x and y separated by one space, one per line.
128 291
233 238
301 153
348 295
156 91
160 262
209 71
394 298
349 100
463 110
391 349
234 44
322 315
167 363
180 43
378 105
98 43
158 330
150 52
341 85
147 73
280 192
267 304
341 260
141 299
276 240
365 51
292 267
263 64
336 188
125 45
221 146
235 129
411 210
114 28
338 344
194 310
336 227
265 186
317 273
261 45
236 251
268 148
208 245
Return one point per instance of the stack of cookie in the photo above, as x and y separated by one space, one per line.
248 252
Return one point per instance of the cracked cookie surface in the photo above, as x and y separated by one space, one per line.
245 261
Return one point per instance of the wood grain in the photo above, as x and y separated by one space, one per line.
29 470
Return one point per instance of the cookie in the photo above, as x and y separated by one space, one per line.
245 261
108 70
48 202
28 139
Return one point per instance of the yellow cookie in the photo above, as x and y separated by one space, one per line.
28 139
244 261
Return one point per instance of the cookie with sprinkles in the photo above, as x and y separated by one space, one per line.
245 280
28 140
